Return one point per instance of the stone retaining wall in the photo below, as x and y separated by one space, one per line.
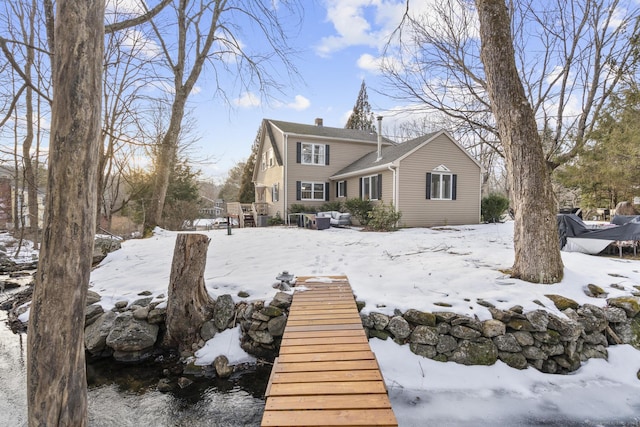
537 338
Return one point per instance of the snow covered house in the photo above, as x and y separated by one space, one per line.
432 179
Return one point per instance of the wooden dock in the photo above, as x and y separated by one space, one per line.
326 373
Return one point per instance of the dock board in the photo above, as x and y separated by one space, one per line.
326 373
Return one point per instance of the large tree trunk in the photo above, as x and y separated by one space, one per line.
188 303
537 252
56 379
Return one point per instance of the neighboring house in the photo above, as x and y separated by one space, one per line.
212 208
432 180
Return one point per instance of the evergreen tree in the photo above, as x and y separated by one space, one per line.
608 170
361 117
181 203
230 190
247 193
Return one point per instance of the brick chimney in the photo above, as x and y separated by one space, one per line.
319 121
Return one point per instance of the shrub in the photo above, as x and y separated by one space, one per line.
383 217
493 206
298 208
331 206
359 209
276 219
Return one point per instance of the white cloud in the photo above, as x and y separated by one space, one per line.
369 63
358 22
364 22
300 103
247 100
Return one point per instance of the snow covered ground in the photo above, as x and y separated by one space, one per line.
415 268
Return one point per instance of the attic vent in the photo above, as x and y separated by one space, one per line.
319 121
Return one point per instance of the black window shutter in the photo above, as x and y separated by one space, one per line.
326 154
298 153
360 193
326 191
379 186
337 188
345 189
428 185
454 183
298 190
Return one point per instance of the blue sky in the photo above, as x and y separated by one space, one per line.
338 43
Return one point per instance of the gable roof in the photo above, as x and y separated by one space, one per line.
392 154
328 132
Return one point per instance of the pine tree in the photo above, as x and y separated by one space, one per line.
247 192
361 117
608 170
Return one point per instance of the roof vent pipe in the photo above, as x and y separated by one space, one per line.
379 138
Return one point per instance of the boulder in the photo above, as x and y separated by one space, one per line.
221 364
157 316
420 317
223 311
479 352
95 335
281 300
615 314
423 350
380 321
515 360
208 330
507 343
538 319
92 297
464 332
423 334
446 344
276 325
562 303
592 318
91 313
399 327
131 335
631 305
493 328
261 336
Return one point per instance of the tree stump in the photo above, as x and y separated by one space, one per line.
188 302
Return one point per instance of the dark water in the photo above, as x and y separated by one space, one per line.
126 395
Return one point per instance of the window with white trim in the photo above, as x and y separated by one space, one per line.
441 184
270 159
312 190
341 189
275 192
313 154
370 187
263 165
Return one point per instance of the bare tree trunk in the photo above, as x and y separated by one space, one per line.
537 252
188 303
56 378
167 153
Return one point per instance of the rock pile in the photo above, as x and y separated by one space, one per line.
537 338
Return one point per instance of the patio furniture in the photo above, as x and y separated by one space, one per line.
336 219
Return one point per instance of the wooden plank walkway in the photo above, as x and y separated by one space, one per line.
326 373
